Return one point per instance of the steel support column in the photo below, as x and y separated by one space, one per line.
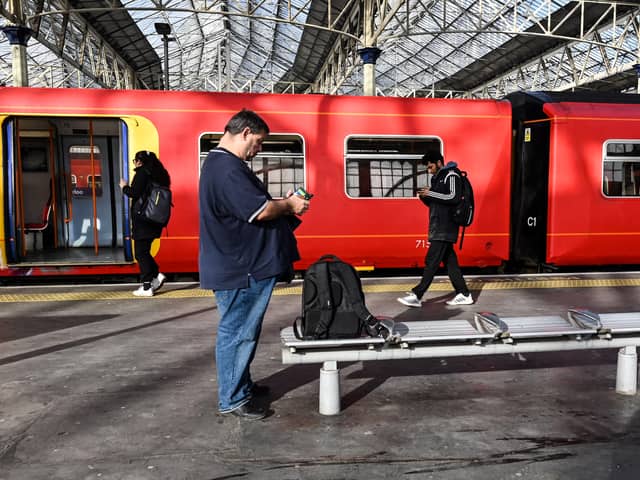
18 37
369 56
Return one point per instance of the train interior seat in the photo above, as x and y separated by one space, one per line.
37 204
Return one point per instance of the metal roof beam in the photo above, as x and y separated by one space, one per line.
73 41
611 51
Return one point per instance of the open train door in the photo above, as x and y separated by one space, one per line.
62 202
529 183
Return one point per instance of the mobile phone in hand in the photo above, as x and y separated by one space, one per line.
301 192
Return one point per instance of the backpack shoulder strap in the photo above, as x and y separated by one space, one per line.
352 284
326 301
462 237
456 171
297 328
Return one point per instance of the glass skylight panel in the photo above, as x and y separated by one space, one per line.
439 47
494 40
286 40
410 68
264 30
255 58
476 48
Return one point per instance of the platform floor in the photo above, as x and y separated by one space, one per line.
98 384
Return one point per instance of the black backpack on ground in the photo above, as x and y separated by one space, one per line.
333 304
463 213
156 204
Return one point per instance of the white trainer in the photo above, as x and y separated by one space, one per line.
411 300
141 292
461 299
157 282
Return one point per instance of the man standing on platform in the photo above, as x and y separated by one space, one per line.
246 245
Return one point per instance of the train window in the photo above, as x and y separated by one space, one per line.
280 164
98 183
34 159
387 166
621 169
84 163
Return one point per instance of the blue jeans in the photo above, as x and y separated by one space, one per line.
241 313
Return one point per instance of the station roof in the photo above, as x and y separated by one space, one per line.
119 29
472 48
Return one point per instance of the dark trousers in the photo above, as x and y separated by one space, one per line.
441 252
148 266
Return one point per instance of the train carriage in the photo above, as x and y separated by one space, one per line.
576 179
358 155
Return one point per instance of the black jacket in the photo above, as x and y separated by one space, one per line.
143 229
442 198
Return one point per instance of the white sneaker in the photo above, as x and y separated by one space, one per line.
411 300
461 299
157 282
141 292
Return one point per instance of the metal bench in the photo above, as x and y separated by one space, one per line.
485 334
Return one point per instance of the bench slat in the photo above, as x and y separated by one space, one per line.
288 339
410 332
543 326
628 322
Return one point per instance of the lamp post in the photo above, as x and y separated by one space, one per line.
164 29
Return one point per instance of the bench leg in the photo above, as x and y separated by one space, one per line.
329 388
627 374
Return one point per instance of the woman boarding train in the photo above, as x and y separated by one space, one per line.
148 169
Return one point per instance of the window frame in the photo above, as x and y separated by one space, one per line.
202 155
620 160
346 157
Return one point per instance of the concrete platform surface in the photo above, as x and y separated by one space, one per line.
97 384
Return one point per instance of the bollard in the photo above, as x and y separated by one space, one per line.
627 374
329 389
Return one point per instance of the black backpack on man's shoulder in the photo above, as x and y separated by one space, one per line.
463 212
333 304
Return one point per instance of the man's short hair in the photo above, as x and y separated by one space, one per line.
432 156
246 118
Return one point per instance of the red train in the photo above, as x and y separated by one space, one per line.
556 177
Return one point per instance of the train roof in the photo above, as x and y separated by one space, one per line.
530 105
583 96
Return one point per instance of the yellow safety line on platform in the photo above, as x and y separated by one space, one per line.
438 286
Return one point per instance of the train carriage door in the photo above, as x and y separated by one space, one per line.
530 181
30 206
10 214
62 202
91 164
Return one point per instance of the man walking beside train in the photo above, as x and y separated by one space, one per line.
246 245
441 198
